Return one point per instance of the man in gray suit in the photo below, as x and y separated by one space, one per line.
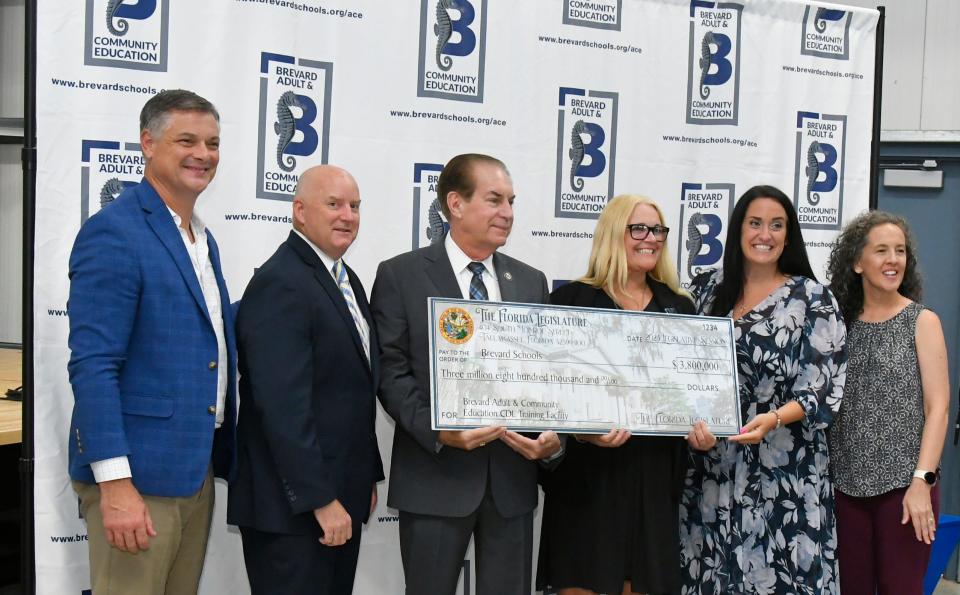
449 485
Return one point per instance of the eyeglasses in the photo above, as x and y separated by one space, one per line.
640 231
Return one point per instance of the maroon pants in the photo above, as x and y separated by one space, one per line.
878 555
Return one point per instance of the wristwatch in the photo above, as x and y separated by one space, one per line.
928 476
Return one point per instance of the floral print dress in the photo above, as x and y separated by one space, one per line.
759 518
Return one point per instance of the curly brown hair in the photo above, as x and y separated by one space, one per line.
845 283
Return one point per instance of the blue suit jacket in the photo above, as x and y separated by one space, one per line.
143 351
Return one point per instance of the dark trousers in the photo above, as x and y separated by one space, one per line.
432 549
279 564
876 553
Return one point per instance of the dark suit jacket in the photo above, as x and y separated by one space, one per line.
307 397
450 482
143 352
576 293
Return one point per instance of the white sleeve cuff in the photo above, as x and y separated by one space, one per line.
554 456
110 469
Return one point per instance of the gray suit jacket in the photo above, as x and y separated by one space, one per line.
450 482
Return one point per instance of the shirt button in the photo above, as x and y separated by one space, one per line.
212 410
212 365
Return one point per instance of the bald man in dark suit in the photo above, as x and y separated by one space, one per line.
308 461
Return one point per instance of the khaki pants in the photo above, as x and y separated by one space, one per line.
172 565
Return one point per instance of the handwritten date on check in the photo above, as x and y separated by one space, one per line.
536 367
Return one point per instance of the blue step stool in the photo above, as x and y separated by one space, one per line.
948 534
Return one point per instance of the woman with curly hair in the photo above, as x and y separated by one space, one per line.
756 513
886 443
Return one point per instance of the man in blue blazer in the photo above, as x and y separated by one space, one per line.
307 456
152 362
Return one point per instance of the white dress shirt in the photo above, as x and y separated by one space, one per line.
459 262
362 327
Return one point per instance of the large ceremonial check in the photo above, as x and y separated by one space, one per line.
537 367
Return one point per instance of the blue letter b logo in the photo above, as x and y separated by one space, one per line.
308 144
710 239
140 11
826 14
826 167
598 161
117 15
461 26
719 59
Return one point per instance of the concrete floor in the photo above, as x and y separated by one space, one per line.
947 588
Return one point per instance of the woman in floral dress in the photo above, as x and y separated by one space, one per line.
756 514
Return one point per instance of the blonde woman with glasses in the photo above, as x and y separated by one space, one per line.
610 514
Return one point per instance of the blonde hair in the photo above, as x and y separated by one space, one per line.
607 268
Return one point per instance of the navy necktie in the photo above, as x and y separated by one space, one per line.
478 291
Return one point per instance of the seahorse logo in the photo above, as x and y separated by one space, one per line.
122 26
110 191
820 23
284 127
436 226
576 154
443 30
706 57
813 172
694 241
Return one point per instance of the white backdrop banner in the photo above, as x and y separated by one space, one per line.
687 101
